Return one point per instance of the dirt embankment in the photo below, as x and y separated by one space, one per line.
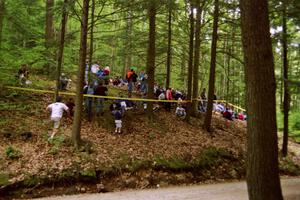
167 151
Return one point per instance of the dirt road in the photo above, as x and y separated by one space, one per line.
224 191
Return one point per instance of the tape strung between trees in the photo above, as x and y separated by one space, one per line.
117 98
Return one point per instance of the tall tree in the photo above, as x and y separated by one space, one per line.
76 129
49 33
211 86
169 51
196 57
61 45
190 63
91 52
128 42
151 56
286 96
2 10
262 151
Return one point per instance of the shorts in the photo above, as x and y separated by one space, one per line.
56 121
118 123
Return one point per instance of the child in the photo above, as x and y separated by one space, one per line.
57 110
180 111
118 120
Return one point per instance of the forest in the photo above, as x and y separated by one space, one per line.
243 54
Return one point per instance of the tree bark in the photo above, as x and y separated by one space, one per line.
91 52
190 64
2 10
61 45
128 45
196 58
49 33
211 89
286 96
169 51
151 57
262 149
79 89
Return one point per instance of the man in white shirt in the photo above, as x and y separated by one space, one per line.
57 110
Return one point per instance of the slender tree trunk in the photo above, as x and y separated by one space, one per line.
169 52
49 33
190 64
128 45
183 66
262 149
61 45
91 50
286 100
2 10
79 89
196 58
208 116
151 57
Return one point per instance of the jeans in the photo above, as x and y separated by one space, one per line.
100 106
88 107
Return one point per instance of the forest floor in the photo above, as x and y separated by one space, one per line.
167 151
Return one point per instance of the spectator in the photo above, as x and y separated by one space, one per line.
70 103
100 90
180 111
89 89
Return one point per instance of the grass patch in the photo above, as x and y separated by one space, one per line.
211 157
12 153
175 163
4 179
57 142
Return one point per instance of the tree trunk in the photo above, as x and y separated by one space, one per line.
286 96
208 116
262 149
2 10
49 33
128 45
91 50
61 45
151 57
190 64
79 89
169 52
196 58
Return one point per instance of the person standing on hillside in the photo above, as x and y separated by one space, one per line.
57 110
100 90
129 78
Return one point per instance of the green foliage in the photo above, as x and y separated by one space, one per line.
12 153
89 173
294 124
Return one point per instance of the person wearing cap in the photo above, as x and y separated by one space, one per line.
56 110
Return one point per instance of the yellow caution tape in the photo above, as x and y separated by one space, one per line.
94 96
118 98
